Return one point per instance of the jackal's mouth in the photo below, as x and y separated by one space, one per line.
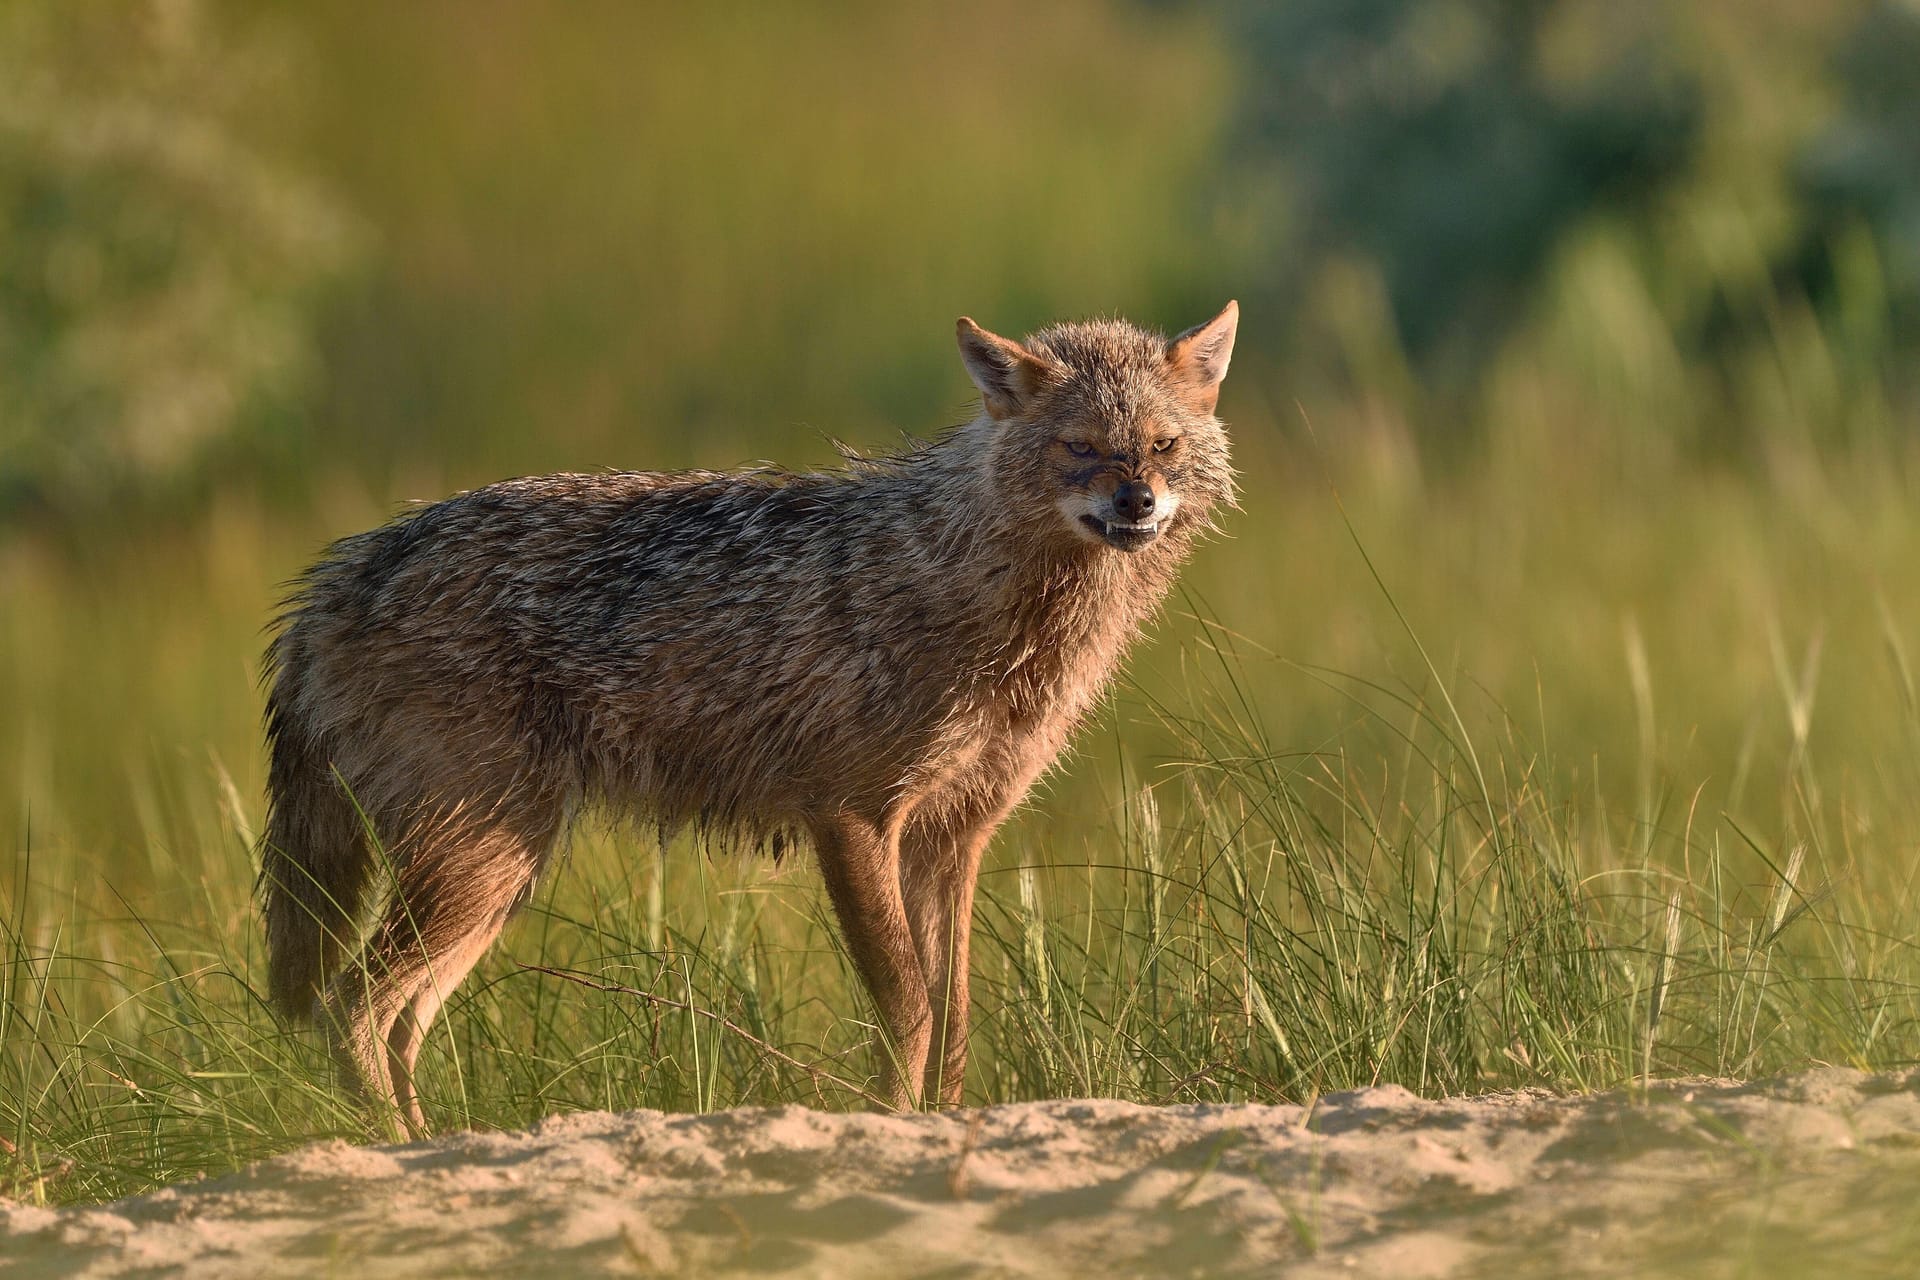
1127 535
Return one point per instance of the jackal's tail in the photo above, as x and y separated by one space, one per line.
315 866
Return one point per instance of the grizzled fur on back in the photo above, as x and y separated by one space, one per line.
908 639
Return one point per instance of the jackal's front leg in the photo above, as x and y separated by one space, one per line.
861 865
938 871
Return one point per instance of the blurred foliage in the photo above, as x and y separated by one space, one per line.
156 272
1860 179
1703 218
1446 142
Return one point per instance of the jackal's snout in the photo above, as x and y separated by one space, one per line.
1129 516
1134 501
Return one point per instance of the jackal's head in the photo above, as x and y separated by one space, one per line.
1107 427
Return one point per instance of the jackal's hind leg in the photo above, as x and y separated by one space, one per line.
409 1029
452 899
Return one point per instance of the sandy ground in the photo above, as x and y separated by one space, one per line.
1817 1174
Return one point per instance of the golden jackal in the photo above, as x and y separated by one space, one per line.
879 659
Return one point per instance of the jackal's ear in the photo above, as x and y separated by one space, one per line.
1199 357
1007 373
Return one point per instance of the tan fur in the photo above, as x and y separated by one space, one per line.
879 660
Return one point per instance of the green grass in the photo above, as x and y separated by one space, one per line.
1259 878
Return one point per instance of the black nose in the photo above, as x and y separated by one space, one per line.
1134 500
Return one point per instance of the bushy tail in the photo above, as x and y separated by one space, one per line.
315 867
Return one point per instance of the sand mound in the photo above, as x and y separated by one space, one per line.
1820 1172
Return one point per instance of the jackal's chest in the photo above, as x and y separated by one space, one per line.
1057 643
1056 674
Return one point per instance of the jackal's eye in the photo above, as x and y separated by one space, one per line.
1165 443
1079 448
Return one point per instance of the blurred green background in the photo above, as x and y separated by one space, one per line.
1597 319
1549 709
